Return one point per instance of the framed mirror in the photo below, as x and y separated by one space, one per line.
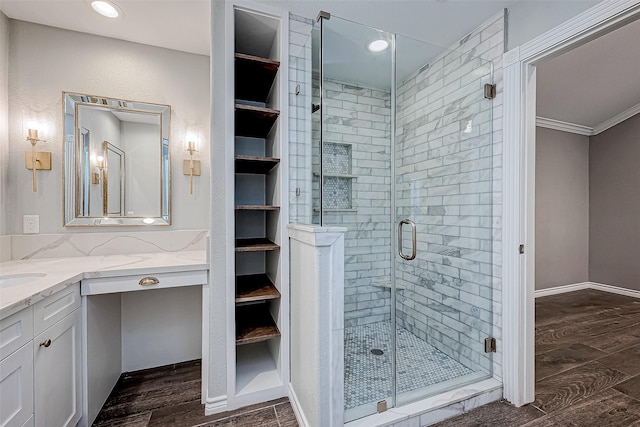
116 162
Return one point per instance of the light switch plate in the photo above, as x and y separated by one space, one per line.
31 224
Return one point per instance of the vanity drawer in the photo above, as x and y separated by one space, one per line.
143 282
15 331
55 307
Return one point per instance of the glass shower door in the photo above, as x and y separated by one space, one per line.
442 207
353 155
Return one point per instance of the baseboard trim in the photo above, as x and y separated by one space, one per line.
615 290
297 409
587 285
216 405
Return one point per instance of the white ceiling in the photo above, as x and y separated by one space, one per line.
185 24
594 82
174 24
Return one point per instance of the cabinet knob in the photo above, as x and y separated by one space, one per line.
148 281
45 343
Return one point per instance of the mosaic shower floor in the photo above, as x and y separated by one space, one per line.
368 377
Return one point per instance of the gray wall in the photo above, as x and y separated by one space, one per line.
44 61
529 19
562 208
4 119
615 205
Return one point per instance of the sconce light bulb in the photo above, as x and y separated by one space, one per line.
33 134
191 146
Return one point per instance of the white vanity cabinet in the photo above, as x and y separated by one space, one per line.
16 369
58 373
40 382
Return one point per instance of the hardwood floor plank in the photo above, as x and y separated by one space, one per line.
499 413
285 415
616 340
192 414
609 408
567 388
564 358
630 309
626 361
263 418
630 387
123 405
137 420
599 328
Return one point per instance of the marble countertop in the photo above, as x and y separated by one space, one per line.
63 272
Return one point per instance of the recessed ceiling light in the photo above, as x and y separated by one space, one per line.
378 45
105 8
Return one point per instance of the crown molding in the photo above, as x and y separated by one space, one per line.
618 118
545 122
548 123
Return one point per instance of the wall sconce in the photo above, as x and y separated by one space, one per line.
35 160
100 166
191 167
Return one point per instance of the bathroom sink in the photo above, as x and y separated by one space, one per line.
19 279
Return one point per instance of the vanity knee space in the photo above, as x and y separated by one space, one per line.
40 366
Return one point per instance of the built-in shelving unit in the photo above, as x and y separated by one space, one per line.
259 289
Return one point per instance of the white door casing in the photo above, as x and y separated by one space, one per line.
518 274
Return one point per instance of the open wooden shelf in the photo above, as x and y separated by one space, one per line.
254 77
255 164
255 245
254 324
256 208
254 122
255 287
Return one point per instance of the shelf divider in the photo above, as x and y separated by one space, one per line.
255 164
254 122
255 245
254 77
254 324
255 287
257 208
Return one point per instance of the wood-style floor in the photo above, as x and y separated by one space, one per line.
170 396
587 374
587 366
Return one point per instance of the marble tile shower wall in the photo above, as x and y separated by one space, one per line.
450 287
357 124
300 194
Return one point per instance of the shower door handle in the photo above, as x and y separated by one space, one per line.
413 239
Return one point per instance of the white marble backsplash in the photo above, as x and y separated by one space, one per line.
39 246
5 248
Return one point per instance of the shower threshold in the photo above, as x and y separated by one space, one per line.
430 410
368 408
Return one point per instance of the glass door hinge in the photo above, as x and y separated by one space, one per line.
489 91
490 345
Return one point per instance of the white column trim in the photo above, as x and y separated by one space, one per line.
519 182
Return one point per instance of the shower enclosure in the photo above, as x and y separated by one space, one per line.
402 156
